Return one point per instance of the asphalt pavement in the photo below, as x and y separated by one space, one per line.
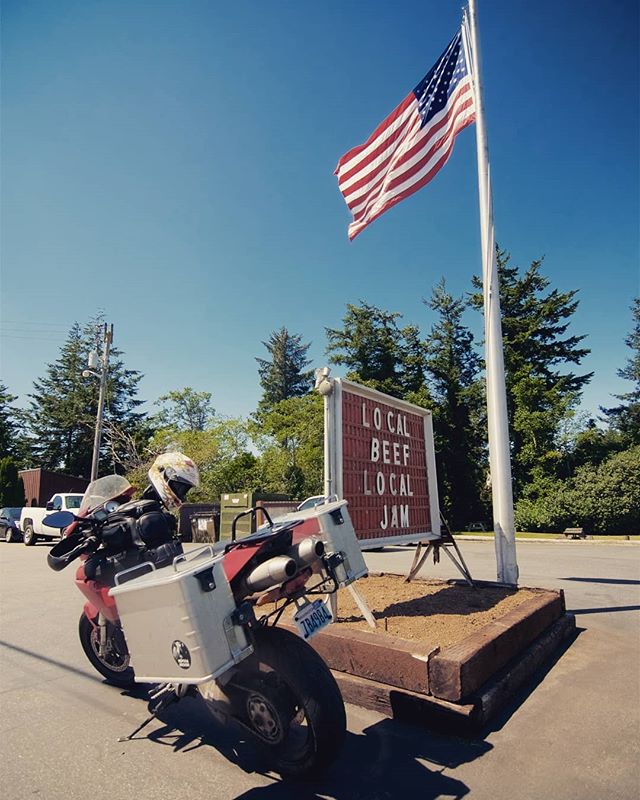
574 733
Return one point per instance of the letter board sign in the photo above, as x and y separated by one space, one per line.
382 461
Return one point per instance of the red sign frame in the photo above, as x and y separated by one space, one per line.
382 461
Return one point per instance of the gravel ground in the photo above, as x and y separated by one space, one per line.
433 611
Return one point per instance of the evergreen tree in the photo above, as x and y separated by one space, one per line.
371 345
413 366
536 349
11 488
625 418
379 353
9 424
284 375
453 367
63 407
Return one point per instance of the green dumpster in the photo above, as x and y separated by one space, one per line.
234 503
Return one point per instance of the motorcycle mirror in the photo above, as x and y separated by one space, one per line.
59 520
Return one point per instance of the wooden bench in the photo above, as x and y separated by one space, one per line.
575 533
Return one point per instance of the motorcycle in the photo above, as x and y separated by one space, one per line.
205 623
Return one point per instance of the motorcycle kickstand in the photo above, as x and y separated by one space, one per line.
166 694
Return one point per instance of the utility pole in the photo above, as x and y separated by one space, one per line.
102 375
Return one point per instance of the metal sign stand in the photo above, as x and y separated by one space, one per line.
362 605
445 542
359 601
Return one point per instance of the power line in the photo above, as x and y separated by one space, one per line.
51 337
36 326
34 331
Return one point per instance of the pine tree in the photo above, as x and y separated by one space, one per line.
9 425
379 353
63 407
284 376
540 394
413 366
625 418
11 488
453 367
370 344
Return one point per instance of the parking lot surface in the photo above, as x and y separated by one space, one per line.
573 734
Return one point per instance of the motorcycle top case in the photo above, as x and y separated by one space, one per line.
331 521
177 620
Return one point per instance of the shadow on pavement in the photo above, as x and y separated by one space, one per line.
602 610
617 581
503 716
388 760
55 662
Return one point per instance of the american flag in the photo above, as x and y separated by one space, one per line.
406 150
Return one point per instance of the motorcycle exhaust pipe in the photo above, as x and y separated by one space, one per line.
267 574
307 551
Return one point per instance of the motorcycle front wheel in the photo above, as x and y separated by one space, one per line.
111 659
286 695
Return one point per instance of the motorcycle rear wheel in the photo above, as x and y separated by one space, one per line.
285 693
113 664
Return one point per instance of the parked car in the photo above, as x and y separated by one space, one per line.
312 502
9 529
31 517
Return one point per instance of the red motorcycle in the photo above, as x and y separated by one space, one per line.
193 623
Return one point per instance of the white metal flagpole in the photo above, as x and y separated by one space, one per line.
499 455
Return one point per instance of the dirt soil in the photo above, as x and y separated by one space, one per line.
433 611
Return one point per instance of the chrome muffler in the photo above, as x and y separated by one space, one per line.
267 574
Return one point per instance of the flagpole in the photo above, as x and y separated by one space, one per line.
498 427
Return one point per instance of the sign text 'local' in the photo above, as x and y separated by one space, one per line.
384 451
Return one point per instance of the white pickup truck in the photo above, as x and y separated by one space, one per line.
31 517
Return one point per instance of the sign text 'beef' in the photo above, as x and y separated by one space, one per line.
384 465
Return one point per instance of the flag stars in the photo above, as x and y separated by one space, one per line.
435 89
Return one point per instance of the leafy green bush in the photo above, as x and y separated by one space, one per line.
602 499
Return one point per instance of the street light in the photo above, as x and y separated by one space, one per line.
95 363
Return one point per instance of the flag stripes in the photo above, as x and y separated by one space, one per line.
409 147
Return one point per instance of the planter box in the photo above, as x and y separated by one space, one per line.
456 688
377 657
458 671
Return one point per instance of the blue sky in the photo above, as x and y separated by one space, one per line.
171 164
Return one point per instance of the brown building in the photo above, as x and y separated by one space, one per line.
40 484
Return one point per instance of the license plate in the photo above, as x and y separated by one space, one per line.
313 617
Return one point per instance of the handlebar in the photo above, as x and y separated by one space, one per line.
70 548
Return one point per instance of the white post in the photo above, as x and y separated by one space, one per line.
324 385
499 456
327 448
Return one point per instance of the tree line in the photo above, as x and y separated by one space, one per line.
567 470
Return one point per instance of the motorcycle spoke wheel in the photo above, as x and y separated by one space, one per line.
112 661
